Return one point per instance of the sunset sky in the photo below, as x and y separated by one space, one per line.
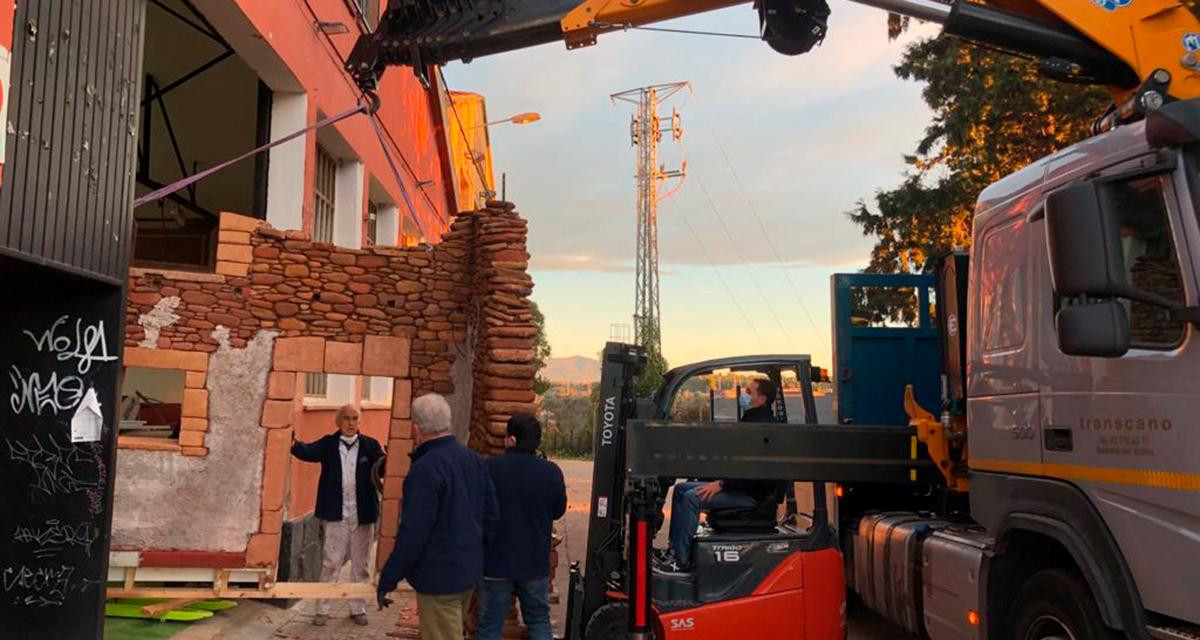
805 139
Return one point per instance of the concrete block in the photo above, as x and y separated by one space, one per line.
390 513
195 403
193 424
401 430
262 550
277 414
234 269
402 398
300 354
233 237
393 487
281 385
385 356
271 521
191 438
275 468
195 379
234 222
235 253
343 357
166 359
386 543
398 462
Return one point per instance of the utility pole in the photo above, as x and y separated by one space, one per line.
646 132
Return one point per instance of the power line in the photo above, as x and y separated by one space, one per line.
733 242
720 277
689 32
762 227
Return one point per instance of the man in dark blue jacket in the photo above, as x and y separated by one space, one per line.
448 510
532 495
347 503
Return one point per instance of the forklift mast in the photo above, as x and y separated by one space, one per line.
606 523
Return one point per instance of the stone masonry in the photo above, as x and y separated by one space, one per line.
403 313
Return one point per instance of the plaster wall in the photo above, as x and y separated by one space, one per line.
166 501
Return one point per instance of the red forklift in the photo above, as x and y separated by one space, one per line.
769 572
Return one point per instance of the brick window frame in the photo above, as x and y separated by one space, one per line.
193 426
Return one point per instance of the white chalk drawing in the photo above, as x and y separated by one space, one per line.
53 536
56 467
34 394
155 320
86 346
46 586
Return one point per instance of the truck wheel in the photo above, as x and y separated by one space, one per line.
610 622
1056 605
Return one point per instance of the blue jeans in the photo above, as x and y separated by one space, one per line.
685 515
496 598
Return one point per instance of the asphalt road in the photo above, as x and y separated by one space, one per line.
573 527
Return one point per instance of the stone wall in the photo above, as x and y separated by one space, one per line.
285 306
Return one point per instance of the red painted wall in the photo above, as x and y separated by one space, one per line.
313 423
409 112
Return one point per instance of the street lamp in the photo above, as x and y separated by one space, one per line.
520 118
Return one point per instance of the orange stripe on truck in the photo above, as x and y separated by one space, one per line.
1177 480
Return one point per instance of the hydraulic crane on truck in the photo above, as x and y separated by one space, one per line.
1077 509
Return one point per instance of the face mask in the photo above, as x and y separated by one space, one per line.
744 400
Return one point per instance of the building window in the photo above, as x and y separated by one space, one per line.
372 223
324 194
316 385
366 387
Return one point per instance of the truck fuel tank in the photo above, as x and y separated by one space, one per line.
920 573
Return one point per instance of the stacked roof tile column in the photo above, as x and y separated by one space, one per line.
503 321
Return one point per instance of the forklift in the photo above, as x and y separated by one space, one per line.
770 572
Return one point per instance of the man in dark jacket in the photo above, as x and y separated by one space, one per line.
690 498
347 503
449 509
532 495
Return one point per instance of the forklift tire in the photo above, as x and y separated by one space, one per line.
610 622
1055 603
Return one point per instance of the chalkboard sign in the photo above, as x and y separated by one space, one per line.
60 343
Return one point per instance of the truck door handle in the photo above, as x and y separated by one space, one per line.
1058 439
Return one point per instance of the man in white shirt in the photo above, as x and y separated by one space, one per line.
347 503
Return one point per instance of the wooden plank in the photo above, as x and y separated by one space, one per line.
334 591
153 610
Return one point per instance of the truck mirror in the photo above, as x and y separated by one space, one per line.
1174 125
1099 330
1084 243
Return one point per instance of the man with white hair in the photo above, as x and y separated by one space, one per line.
347 503
448 512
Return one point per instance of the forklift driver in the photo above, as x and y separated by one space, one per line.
690 498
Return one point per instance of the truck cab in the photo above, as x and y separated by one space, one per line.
1078 327
1079 436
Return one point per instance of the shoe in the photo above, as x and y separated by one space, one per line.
668 564
359 619
320 619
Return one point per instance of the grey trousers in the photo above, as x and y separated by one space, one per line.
341 540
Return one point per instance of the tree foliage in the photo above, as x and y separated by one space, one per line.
651 378
993 114
541 347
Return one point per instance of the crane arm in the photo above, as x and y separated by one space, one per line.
1146 51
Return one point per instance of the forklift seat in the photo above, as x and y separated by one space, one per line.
761 518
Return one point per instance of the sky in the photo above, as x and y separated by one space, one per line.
772 143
